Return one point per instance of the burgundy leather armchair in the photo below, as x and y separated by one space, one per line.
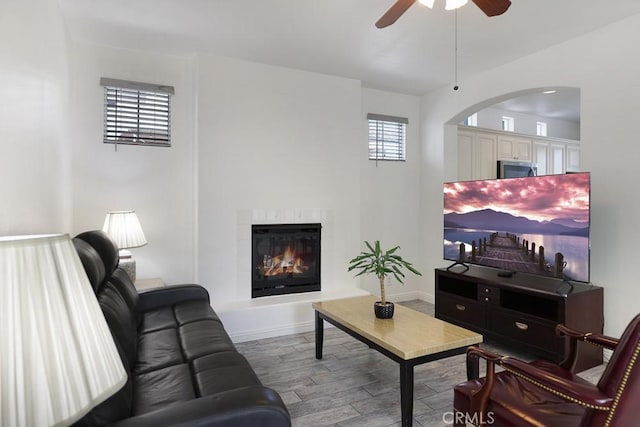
542 393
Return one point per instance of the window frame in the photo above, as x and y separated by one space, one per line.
472 120
508 124
136 113
542 128
385 135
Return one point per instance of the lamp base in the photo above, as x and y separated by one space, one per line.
128 264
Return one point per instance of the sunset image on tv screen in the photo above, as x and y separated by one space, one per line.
537 225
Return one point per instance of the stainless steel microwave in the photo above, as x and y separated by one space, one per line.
511 169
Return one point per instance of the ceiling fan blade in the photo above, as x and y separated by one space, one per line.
394 13
493 7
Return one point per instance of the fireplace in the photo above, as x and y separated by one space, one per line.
285 259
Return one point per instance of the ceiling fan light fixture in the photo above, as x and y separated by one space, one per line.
455 4
428 3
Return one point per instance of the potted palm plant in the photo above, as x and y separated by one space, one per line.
381 263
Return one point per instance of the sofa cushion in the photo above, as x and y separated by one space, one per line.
157 389
121 280
222 371
92 263
203 337
192 311
157 350
120 320
106 247
512 394
161 318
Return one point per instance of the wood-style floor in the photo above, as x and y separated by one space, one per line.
354 385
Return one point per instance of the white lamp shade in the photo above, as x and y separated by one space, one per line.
428 3
57 356
125 229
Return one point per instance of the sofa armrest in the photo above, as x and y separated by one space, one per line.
586 395
167 295
245 407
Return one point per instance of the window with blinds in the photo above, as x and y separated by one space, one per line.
387 137
136 113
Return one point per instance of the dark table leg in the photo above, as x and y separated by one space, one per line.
473 368
319 335
406 393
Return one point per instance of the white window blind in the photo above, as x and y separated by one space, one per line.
136 113
387 137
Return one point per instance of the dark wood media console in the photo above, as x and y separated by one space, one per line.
521 311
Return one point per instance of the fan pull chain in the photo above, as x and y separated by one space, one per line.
455 56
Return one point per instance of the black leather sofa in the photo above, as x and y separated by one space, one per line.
183 368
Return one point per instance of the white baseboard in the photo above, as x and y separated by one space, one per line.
259 334
408 296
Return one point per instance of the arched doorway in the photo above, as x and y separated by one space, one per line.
472 151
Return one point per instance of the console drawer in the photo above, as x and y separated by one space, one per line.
489 294
461 310
531 332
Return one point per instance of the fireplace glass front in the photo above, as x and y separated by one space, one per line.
285 259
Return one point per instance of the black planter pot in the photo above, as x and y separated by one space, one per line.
383 311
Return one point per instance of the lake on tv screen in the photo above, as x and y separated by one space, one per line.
575 250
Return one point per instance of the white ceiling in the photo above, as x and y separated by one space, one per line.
338 37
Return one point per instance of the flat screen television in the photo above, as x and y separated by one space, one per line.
537 225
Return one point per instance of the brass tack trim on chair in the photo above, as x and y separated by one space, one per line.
557 393
623 384
586 339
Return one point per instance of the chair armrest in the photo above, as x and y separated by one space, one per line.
588 337
245 407
586 395
167 295
480 399
574 336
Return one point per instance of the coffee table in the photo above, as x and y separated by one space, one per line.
409 338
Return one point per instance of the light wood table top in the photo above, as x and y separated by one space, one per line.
409 334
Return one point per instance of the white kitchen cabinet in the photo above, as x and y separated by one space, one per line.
541 156
573 158
480 149
512 147
557 158
476 155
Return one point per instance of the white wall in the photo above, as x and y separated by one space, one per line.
251 144
34 179
608 146
157 182
390 202
276 145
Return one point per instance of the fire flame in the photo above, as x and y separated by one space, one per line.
286 263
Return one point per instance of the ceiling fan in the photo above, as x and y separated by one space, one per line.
489 7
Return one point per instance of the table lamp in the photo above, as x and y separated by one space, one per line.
58 359
125 230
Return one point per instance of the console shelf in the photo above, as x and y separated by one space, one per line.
522 311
